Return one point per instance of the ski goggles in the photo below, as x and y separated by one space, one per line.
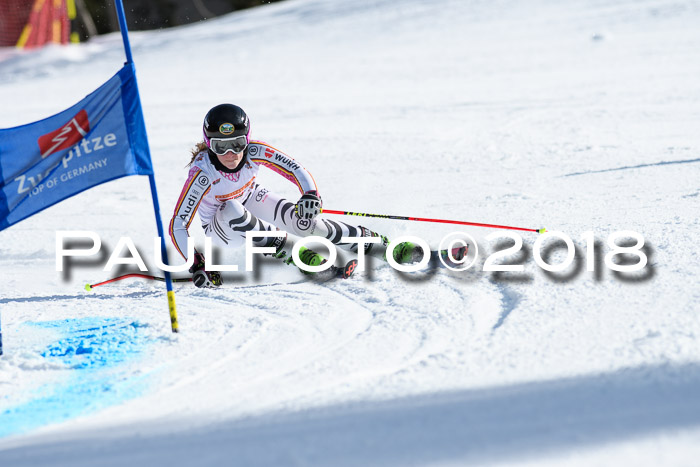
221 146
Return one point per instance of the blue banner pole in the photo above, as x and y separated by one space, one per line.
154 193
124 30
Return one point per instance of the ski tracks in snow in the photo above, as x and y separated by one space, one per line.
509 302
305 344
289 345
255 341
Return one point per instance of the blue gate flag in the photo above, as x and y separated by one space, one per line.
101 138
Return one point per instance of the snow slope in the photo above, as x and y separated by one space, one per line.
578 116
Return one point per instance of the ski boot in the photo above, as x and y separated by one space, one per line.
407 253
410 253
404 252
310 258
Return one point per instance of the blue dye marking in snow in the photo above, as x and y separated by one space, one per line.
93 351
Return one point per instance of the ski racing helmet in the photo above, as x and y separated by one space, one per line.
226 128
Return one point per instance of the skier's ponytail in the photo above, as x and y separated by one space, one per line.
201 146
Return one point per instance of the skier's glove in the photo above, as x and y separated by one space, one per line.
202 278
309 205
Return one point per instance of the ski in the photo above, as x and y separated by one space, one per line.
335 272
442 258
348 269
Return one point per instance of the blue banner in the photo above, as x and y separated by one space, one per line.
101 138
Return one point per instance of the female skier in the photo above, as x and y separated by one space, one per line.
221 186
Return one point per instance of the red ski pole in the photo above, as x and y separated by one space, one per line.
89 287
423 219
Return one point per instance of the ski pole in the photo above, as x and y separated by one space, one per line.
422 219
89 287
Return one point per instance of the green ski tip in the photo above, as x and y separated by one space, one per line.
542 230
88 287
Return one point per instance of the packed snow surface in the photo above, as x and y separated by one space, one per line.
578 116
